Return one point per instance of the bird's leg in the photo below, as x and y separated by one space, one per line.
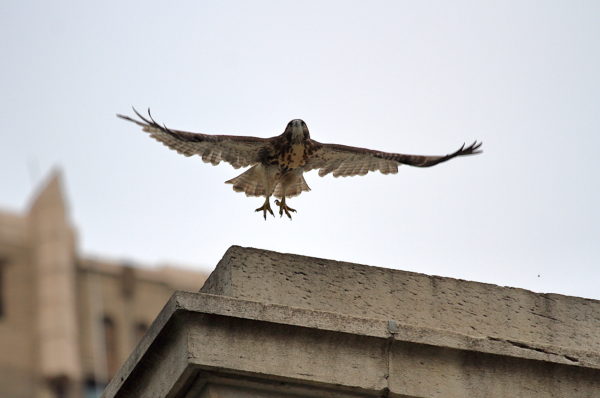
266 207
284 208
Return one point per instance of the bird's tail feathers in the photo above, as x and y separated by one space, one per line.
294 189
248 182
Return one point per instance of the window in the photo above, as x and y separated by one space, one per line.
92 388
110 345
3 262
59 386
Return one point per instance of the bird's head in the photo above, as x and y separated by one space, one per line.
297 131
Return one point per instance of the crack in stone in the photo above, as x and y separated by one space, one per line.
570 358
532 348
546 316
392 329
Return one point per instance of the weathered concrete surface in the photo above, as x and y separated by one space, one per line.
205 333
426 371
284 325
201 336
469 308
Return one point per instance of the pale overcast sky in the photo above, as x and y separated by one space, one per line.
413 77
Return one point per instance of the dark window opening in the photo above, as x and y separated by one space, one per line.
3 262
59 386
93 388
110 345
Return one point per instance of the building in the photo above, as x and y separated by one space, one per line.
67 322
273 325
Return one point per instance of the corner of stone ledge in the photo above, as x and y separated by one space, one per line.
236 249
178 300
234 252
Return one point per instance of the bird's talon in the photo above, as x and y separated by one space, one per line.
266 207
283 207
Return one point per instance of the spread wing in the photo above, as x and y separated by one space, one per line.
239 151
343 161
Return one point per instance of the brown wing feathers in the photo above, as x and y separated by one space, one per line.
243 151
428 161
239 151
412 160
343 160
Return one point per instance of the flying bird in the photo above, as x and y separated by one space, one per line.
278 163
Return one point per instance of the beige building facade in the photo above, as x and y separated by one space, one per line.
67 322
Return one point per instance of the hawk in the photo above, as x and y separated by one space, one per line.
278 163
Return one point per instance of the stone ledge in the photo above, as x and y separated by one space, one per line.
201 331
335 322
291 325
548 323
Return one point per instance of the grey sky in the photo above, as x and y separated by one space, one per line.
411 77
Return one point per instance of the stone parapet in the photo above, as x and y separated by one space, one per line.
270 343
479 310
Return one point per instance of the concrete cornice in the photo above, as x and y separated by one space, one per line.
391 329
288 324
183 308
468 308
